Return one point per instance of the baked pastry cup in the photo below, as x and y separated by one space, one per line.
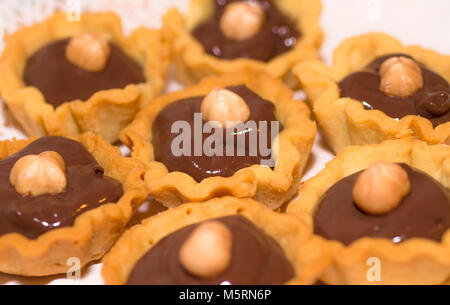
414 261
93 231
304 253
270 187
193 63
345 121
107 111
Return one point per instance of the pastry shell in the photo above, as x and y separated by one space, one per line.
193 63
302 250
93 232
415 261
105 112
345 121
271 187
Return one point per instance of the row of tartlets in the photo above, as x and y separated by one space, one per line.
75 87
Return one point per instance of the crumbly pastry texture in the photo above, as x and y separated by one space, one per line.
345 121
302 250
107 111
93 232
415 261
193 63
271 187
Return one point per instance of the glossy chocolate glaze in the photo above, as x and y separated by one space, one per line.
278 35
431 102
87 188
424 212
256 259
201 167
61 81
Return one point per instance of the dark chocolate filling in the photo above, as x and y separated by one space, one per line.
201 166
61 81
277 36
424 213
431 102
256 259
87 188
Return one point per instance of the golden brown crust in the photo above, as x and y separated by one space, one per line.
415 261
93 232
304 252
345 121
107 111
271 187
193 63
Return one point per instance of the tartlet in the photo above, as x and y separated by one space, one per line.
412 261
193 62
292 235
93 231
105 112
346 121
271 187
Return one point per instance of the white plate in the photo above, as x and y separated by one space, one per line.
423 22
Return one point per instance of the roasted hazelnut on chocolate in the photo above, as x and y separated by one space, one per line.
88 51
35 175
380 188
221 106
207 251
242 20
400 76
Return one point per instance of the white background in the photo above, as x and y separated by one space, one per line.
423 22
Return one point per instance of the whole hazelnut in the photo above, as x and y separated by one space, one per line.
34 175
207 251
380 188
221 106
400 76
242 20
88 51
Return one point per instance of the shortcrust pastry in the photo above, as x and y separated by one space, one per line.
384 212
63 198
247 244
62 77
217 37
267 170
379 90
